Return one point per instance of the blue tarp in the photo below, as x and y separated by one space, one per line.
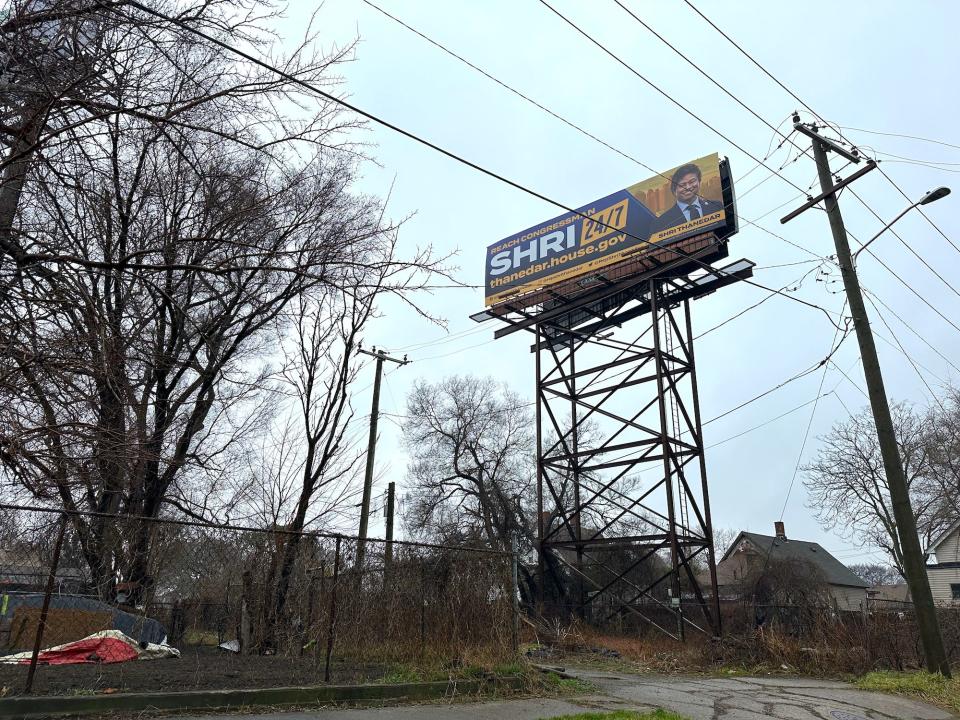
140 628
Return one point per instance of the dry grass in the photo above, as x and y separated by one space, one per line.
829 646
932 688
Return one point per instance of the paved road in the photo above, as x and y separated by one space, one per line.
760 698
696 698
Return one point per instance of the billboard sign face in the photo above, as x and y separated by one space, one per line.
684 201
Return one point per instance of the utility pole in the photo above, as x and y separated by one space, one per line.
913 562
380 356
388 553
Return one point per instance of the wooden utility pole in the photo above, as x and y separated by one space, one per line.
913 561
388 552
380 357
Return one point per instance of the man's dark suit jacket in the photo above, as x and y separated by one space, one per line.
674 216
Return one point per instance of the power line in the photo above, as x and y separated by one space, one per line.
911 329
799 375
768 422
758 397
813 412
792 287
920 209
900 135
755 62
661 91
931 166
737 408
512 89
905 243
907 285
608 145
909 359
918 161
811 110
437 148
776 131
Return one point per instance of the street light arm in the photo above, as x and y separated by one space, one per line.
884 229
932 196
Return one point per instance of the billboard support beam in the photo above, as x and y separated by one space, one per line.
589 533
609 410
608 545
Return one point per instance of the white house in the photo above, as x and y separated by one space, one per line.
943 565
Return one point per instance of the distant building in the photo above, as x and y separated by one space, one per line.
943 565
751 553
898 593
23 571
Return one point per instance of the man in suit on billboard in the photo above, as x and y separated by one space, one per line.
685 186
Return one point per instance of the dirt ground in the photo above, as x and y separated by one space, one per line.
198 668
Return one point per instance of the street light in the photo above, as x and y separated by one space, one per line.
932 196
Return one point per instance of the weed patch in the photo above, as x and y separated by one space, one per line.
922 685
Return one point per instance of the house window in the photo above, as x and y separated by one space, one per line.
955 591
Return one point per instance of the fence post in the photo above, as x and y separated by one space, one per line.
42 622
333 611
423 610
515 595
246 613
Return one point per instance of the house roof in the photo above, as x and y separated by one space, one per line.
932 548
834 571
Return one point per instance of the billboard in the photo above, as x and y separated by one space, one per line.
686 200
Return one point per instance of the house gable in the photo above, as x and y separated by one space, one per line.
946 547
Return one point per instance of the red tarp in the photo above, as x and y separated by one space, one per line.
106 646
89 650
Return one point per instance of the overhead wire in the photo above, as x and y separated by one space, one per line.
910 360
456 157
900 135
428 143
839 131
662 92
813 412
789 380
905 244
918 161
919 209
911 329
767 422
755 62
701 71
907 285
587 133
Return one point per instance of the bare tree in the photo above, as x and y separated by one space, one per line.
943 449
471 471
471 477
157 220
848 488
876 573
723 538
321 365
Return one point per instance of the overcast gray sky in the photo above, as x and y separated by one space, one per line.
883 66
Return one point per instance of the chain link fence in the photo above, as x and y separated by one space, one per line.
112 603
809 638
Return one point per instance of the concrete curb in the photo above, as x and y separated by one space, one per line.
34 708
